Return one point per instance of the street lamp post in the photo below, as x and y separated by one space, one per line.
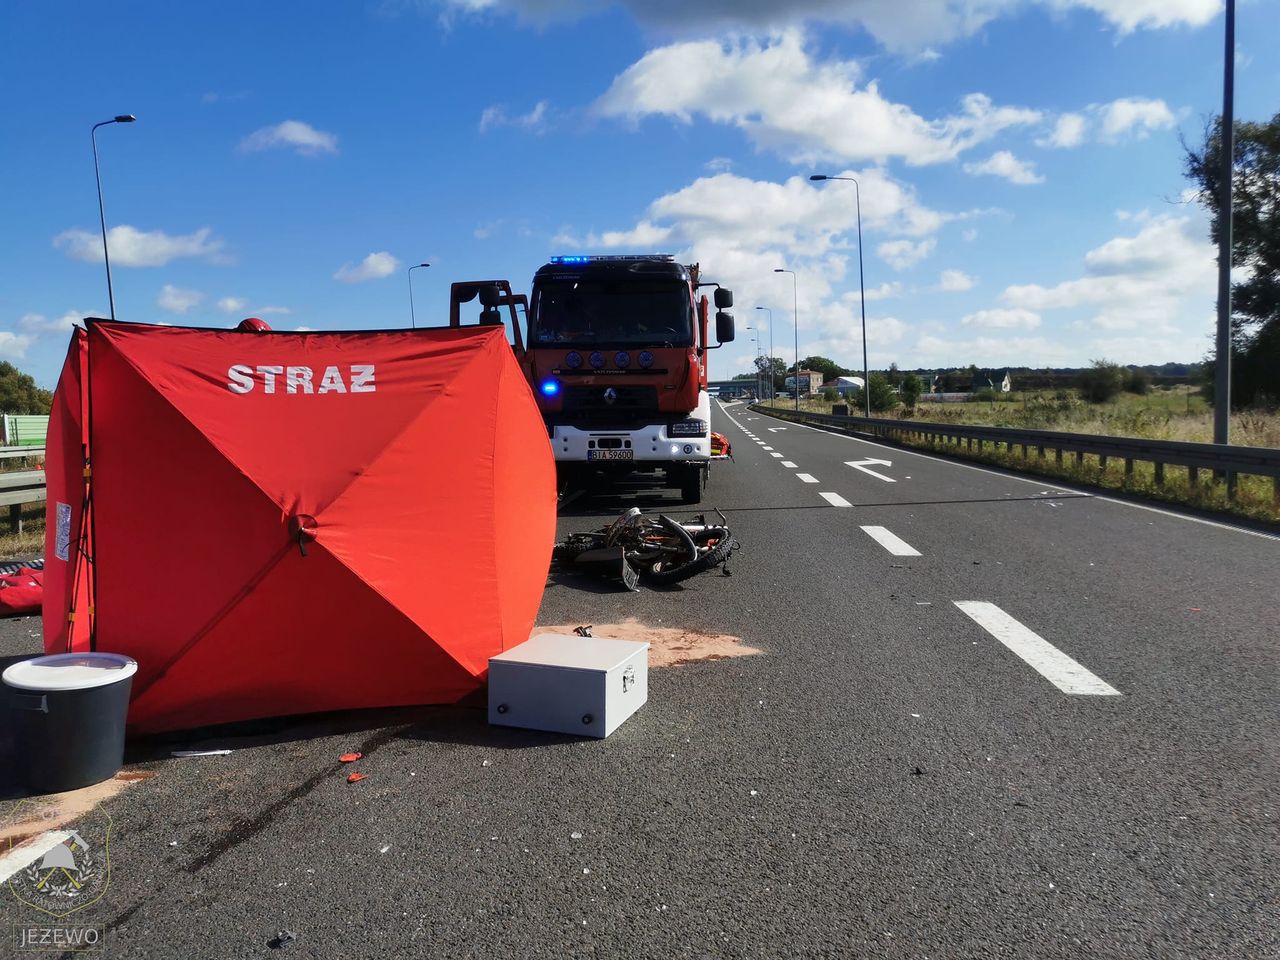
862 290
795 316
770 310
102 215
413 321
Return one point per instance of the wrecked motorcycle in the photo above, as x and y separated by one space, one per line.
657 550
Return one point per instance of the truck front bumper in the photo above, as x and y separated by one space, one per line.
647 445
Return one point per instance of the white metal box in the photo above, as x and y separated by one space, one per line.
585 686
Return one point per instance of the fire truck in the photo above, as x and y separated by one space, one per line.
616 350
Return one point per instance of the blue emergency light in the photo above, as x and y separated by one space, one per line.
550 388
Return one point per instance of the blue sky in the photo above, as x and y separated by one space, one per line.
1018 160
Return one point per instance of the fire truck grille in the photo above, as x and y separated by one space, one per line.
609 405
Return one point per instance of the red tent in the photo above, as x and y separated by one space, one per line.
282 523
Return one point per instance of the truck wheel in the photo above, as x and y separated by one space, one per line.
692 484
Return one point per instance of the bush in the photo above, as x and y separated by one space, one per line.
912 387
1137 381
830 395
986 395
1103 381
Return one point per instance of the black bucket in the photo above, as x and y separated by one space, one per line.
68 714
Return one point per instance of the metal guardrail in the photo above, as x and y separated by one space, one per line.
19 487
1223 460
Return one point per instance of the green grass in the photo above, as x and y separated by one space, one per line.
30 543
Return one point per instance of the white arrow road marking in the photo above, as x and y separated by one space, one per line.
807 478
836 500
776 429
894 544
1050 662
778 455
25 854
864 464
788 464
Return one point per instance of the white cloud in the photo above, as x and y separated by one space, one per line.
901 254
885 291
131 247
232 304
177 299
898 27
269 311
970 235
373 267
930 350
1068 131
1126 118
1005 164
301 137
496 116
791 104
719 165
1134 115
1002 319
955 281
796 217
14 345
1161 281
1130 15
39 325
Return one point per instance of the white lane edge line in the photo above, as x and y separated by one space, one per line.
807 477
1065 673
1043 483
835 499
788 464
891 542
25 854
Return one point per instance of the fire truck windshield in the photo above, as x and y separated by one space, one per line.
609 312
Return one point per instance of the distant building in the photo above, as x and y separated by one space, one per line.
997 380
810 381
844 385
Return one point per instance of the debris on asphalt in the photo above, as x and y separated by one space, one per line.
583 631
356 777
575 835
350 757
281 940
199 753
917 772
385 849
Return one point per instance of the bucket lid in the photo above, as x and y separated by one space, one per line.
70 671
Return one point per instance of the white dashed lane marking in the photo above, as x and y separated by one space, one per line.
891 542
807 478
835 499
776 455
1042 656
788 464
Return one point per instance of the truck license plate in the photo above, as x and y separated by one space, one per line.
611 455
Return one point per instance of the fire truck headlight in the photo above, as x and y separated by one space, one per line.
550 388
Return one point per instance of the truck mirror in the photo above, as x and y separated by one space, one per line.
724 324
724 299
490 295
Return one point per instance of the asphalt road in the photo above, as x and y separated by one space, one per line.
888 778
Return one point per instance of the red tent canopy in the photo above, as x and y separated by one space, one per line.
282 523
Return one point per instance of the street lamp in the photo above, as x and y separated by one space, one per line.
795 323
770 349
413 322
102 216
862 290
